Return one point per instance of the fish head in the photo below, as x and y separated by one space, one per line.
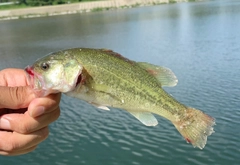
54 73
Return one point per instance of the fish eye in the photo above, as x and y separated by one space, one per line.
44 66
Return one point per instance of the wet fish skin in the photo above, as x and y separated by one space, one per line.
107 79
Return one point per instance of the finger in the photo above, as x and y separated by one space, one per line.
15 97
12 141
20 152
12 77
44 105
25 124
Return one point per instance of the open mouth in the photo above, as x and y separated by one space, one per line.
35 82
33 79
30 75
29 70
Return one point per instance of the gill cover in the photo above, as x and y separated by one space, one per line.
52 74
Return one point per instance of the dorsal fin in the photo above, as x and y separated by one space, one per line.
164 75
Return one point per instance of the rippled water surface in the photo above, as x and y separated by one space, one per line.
198 41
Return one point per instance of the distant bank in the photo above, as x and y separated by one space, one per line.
78 8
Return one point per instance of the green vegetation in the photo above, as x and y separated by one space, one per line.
13 6
29 3
49 2
172 1
17 4
101 9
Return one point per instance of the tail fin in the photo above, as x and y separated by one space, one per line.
195 126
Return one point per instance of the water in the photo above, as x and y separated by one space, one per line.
198 41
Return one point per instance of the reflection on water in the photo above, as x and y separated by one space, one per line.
198 41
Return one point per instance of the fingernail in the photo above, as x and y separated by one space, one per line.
38 111
4 124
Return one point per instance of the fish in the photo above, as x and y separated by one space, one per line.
107 79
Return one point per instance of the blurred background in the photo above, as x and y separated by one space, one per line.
199 41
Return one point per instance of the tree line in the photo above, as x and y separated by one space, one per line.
42 2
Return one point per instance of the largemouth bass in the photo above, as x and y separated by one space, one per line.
106 79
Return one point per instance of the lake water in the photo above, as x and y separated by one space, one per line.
199 41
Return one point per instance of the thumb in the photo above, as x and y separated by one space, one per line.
16 97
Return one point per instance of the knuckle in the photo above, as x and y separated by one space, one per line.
11 146
20 96
30 149
56 114
9 143
16 95
24 128
44 133
53 116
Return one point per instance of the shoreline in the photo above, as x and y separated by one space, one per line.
80 7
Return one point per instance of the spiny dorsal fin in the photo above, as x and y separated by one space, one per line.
164 75
145 117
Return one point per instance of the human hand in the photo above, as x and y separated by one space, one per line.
24 118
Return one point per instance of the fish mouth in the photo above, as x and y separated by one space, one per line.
30 76
34 81
29 70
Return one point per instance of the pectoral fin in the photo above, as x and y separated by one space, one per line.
146 118
165 76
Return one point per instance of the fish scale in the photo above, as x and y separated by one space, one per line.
148 86
105 79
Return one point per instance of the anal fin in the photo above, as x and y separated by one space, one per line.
145 117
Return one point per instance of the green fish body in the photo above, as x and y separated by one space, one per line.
105 79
